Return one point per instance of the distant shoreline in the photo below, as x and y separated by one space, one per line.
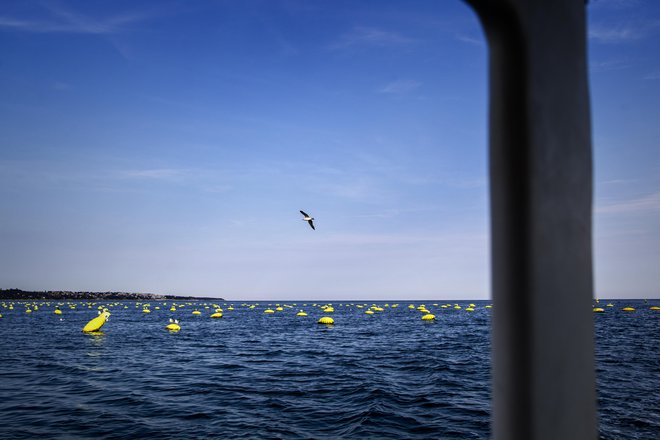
18 294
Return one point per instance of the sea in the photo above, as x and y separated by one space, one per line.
251 374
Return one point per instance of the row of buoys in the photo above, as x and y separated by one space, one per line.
625 309
327 308
98 321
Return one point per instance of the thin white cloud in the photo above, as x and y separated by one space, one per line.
156 173
614 34
14 23
62 20
401 86
607 66
61 86
471 40
205 180
366 36
652 76
617 181
613 4
352 188
622 32
648 203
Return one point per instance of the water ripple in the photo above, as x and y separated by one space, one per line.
253 375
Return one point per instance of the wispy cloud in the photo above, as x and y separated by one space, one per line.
475 41
606 66
156 173
365 188
614 34
367 36
617 181
426 240
63 20
648 203
61 86
205 180
613 4
652 76
401 86
623 32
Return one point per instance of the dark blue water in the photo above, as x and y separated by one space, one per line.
253 375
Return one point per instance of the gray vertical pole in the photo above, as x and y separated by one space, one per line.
541 195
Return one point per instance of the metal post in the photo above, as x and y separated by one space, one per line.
541 195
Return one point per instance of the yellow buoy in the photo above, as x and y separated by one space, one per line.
369 312
196 312
329 309
654 308
326 320
428 317
269 311
279 309
58 312
628 309
610 305
146 311
28 311
469 309
97 322
301 313
599 309
216 315
173 326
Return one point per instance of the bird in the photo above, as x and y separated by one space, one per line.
308 219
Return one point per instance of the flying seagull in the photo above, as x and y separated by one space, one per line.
308 219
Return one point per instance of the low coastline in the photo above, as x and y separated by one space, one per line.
57 295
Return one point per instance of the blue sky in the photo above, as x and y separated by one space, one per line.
167 147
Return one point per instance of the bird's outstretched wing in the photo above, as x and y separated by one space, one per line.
303 213
311 224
